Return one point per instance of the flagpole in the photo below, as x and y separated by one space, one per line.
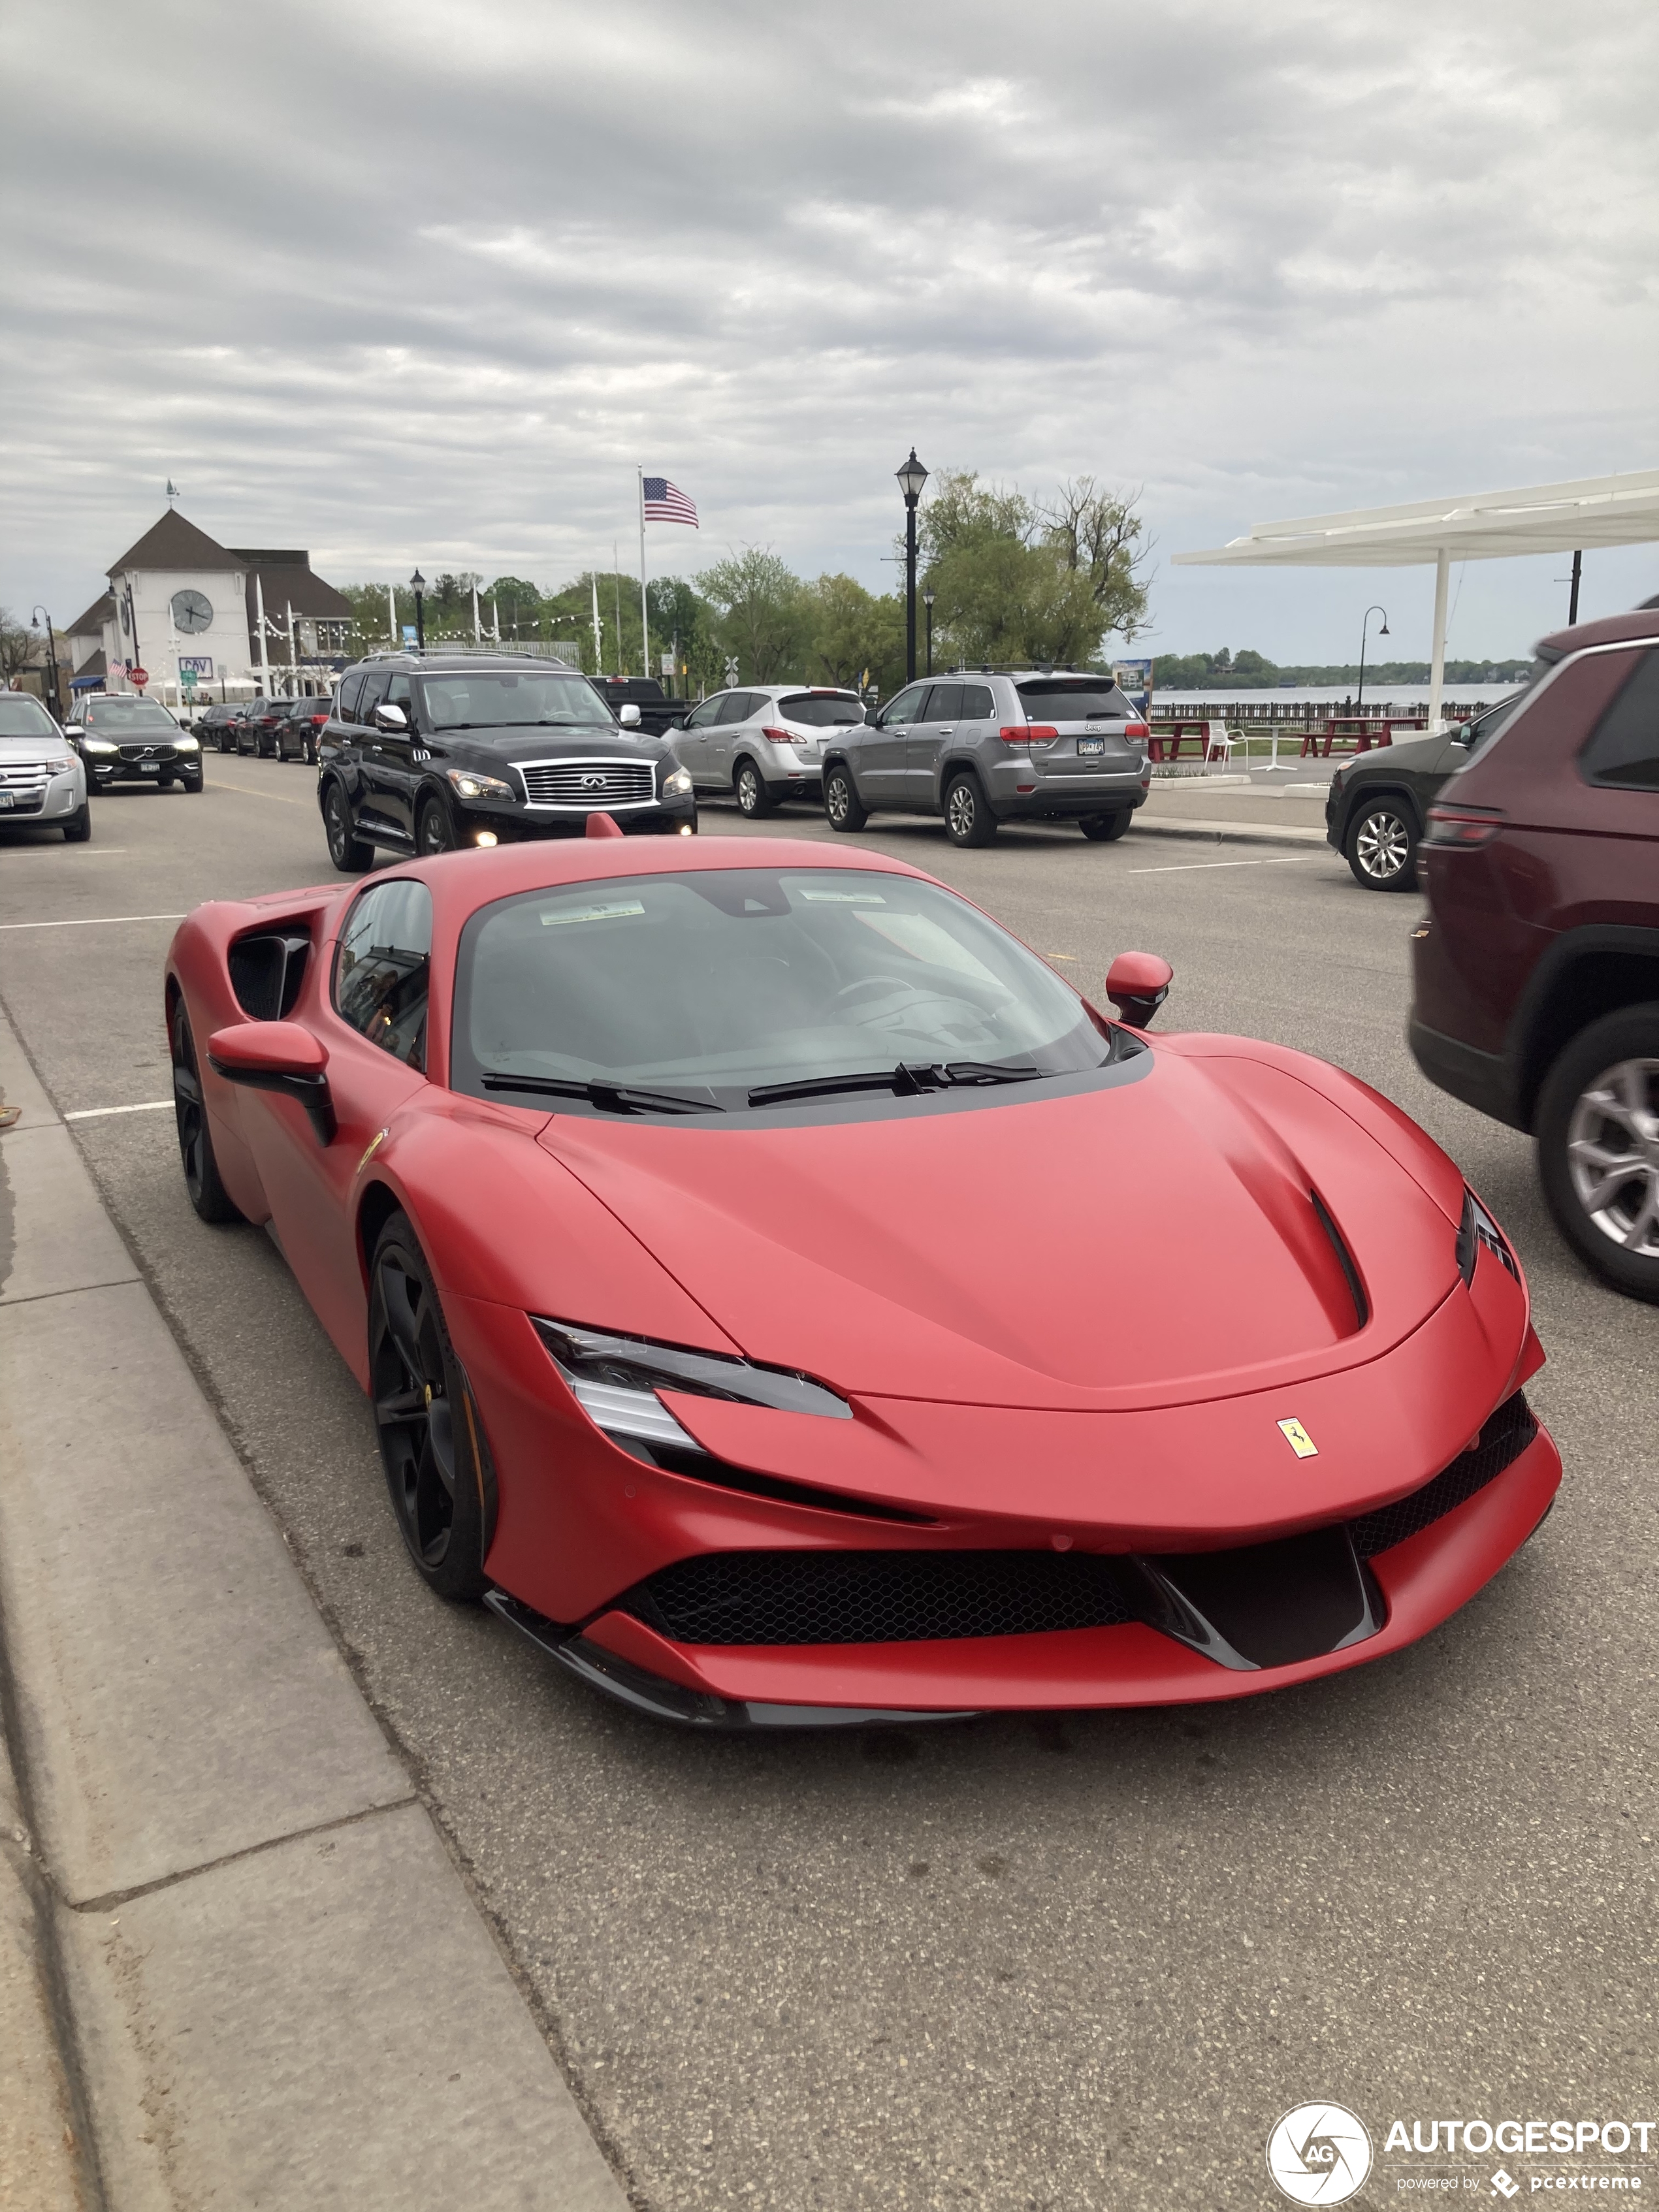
644 617
598 644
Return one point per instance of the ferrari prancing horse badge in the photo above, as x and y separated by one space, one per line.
1298 1440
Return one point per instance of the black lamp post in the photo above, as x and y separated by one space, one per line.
928 602
911 476
51 656
418 585
1383 632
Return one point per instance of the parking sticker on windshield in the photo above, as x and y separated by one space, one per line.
613 910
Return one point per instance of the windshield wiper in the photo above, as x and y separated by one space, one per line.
608 1098
907 1080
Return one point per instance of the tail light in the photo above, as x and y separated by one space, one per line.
1452 825
1027 733
779 737
1137 730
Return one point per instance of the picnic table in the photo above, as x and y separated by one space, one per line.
1165 742
1361 731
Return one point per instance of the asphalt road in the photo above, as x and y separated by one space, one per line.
1057 1961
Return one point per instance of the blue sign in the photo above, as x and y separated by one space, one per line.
1134 680
408 632
196 663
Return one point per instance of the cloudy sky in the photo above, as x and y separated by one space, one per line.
422 282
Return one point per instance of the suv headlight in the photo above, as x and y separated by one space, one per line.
98 745
676 784
59 763
1478 1228
186 745
472 786
615 1380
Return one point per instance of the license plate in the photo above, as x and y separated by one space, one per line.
150 768
1087 745
5 801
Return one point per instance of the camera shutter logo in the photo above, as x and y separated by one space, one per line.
1319 2154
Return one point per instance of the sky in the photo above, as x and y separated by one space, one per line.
423 284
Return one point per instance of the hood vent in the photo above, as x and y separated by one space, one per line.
1345 1260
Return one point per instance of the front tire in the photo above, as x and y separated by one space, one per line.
431 1440
435 832
348 851
1382 846
1598 1148
968 816
207 1195
754 799
78 829
842 807
1104 828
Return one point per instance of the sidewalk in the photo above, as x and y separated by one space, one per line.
237 1965
1248 810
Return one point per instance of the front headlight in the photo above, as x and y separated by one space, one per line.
98 745
472 786
676 784
59 763
1478 1228
615 1380
186 744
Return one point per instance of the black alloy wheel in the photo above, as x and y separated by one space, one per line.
968 816
78 828
430 1444
207 1194
1598 1148
753 798
843 808
1105 828
1382 846
348 851
435 832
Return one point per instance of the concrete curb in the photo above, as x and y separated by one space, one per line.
277 1989
1242 833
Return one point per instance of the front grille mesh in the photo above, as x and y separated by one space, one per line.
27 786
588 783
1501 1443
876 1597
147 752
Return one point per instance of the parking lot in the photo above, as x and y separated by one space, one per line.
1053 1961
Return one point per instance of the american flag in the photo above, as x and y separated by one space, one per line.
666 503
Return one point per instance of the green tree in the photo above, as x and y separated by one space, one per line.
1003 589
853 635
762 612
1097 534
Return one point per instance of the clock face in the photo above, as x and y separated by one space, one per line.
191 610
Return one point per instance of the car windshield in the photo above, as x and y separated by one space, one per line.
502 698
712 986
820 710
126 714
23 717
1074 699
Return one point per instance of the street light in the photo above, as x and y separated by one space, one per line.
51 656
928 601
1383 632
418 585
911 477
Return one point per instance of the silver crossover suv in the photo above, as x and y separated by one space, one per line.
993 745
42 778
765 743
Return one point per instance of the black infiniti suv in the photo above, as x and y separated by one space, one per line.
427 751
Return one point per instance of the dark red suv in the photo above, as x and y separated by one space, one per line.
1537 971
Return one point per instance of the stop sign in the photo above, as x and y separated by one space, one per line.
138 676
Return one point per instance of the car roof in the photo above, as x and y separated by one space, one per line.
1607 630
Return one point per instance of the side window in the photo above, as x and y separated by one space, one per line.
373 690
1623 748
401 695
943 703
903 709
345 708
976 705
381 969
701 717
734 708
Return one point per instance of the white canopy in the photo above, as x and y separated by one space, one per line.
1558 518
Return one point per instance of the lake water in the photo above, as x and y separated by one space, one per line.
1383 699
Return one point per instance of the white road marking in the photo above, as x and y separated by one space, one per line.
93 921
248 792
1185 867
97 1113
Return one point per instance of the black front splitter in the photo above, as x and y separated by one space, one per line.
667 1701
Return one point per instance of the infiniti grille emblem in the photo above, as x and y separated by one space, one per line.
592 783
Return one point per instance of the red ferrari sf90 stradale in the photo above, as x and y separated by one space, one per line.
784 1298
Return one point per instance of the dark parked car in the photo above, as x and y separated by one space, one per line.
1537 971
259 729
427 751
1378 803
126 739
216 727
299 731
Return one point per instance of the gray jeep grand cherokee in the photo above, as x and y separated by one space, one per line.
990 745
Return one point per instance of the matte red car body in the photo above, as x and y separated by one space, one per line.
1097 1361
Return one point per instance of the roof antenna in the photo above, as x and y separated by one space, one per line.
172 491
